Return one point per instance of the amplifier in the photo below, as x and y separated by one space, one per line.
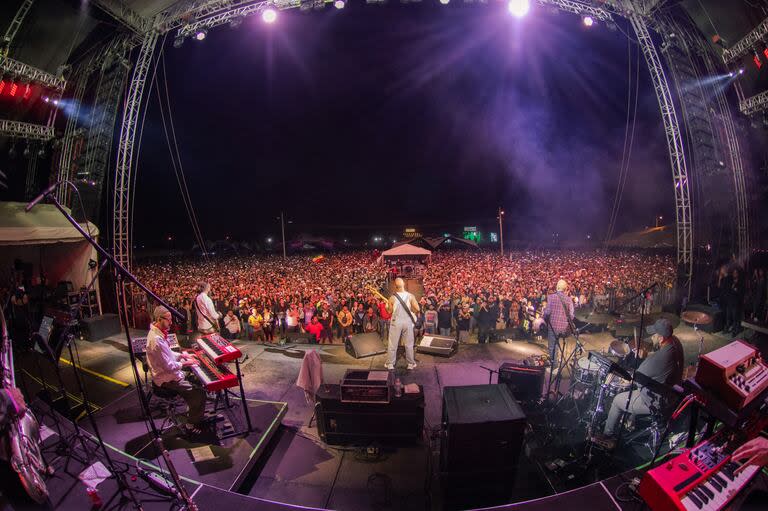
439 345
399 422
361 386
525 381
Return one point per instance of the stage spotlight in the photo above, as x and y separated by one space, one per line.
236 22
588 21
339 4
741 71
730 74
27 152
46 99
269 15
12 151
41 152
445 2
55 102
518 8
201 34
178 42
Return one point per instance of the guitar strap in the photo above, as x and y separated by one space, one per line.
214 325
405 307
567 312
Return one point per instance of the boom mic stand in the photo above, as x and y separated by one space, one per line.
635 363
121 274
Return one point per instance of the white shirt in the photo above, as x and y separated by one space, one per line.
204 303
232 324
163 362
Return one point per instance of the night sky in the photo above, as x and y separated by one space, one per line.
419 114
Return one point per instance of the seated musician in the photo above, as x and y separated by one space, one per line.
165 366
665 366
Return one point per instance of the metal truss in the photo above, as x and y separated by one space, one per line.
131 19
747 43
31 74
121 242
755 104
674 145
244 8
578 7
25 130
30 187
13 28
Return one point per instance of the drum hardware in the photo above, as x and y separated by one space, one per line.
697 319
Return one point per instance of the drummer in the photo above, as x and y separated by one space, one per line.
665 366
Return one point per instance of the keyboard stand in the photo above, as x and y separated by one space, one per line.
243 404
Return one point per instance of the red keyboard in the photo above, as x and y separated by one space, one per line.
702 478
219 349
213 377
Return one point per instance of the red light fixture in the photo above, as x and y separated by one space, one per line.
2 86
14 89
765 52
27 92
756 60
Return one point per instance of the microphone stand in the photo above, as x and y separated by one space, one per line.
636 361
121 274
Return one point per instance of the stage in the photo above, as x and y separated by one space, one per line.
283 460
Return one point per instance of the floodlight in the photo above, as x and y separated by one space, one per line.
269 15
518 8
588 21
201 34
339 4
445 2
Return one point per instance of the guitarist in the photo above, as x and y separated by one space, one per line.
403 307
207 315
559 317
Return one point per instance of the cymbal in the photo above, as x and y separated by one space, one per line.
696 317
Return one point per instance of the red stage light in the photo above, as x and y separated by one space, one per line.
14 88
765 52
27 92
756 60
2 86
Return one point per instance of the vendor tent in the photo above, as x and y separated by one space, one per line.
405 251
46 241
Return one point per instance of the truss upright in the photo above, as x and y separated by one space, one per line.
121 242
684 221
13 28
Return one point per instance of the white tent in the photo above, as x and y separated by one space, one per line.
405 251
47 241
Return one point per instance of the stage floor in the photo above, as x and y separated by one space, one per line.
296 467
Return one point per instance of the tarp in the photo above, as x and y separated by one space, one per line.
47 241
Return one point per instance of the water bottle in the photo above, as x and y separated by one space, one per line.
398 388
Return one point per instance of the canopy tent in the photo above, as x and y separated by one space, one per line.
46 241
405 251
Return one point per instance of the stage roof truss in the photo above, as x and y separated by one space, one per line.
28 73
747 43
127 17
754 104
25 130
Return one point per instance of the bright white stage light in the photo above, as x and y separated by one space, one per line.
588 21
730 74
339 4
519 8
269 15
201 34
741 71
445 2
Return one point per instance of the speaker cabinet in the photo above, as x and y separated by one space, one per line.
483 429
525 382
364 345
100 327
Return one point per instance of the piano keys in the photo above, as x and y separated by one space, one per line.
701 478
218 349
213 377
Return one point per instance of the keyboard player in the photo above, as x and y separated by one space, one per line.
165 366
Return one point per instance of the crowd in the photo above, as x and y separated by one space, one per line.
262 298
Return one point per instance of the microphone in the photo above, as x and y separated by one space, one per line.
42 196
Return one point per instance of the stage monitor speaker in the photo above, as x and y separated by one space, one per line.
525 382
100 327
504 334
483 428
364 345
438 345
718 321
300 337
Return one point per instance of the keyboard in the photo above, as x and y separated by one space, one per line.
219 349
701 478
213 377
